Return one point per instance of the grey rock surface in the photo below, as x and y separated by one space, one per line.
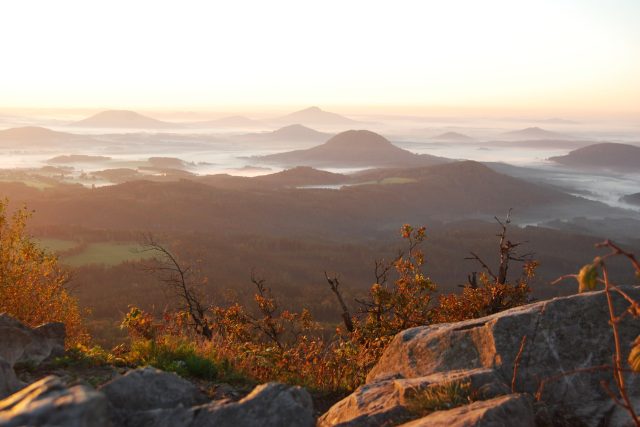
514 410
268 405
9 383
563 334
150 388
20 343
384 402
49 403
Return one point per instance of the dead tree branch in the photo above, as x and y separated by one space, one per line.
178 278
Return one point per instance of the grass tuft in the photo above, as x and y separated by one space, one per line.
439 397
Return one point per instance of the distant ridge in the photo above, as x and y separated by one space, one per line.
533 133
606 155
122 119
314 116
354 148
28 136
452 136
303 175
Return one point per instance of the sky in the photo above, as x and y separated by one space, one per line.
555 55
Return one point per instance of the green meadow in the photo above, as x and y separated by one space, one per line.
107 253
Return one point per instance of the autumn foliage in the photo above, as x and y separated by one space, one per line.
266 342
32 283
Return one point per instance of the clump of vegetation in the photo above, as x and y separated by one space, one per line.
173 355
494 293
440 397
263 341
32 283
85 357
266 342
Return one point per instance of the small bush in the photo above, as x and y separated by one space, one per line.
83 356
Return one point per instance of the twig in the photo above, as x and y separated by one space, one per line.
516 363
617 371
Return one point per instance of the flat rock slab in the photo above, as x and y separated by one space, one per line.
385 402
513 410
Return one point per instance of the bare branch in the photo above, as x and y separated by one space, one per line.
334 284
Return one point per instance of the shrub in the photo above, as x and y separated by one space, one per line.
32 283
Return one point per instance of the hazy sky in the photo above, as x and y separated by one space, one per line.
555 54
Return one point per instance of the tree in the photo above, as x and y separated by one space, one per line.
492 293
180 280
32 283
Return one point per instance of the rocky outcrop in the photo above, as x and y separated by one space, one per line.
141 397
268 405
386 401
563 335
20 343
49 402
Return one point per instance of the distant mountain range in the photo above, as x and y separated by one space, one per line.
354 148
123 119
390 196
452 136
534 133
314 116
608 155
78 158
33 136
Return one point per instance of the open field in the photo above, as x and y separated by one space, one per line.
77 254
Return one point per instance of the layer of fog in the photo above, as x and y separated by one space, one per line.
234 151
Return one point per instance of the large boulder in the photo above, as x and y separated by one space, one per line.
268 405
563 335
146 389
20 343
49 402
